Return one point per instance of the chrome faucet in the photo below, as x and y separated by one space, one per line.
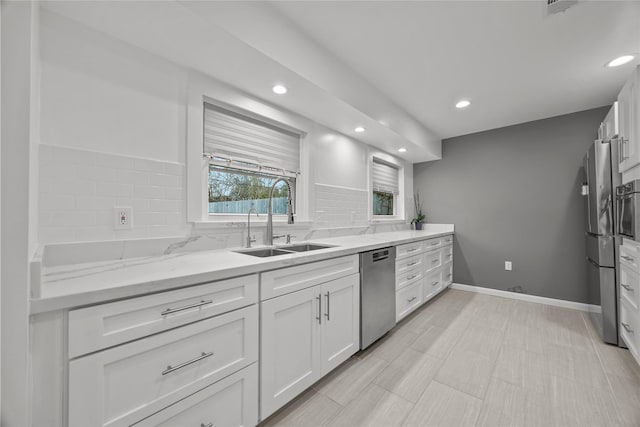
269 236
249 239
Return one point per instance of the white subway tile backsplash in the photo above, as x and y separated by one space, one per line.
80 188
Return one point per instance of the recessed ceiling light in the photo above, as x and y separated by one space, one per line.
463 104
279 89
359 129
621 60
402 150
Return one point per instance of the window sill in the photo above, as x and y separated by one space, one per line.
377 220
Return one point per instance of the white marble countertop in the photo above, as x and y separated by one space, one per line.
67 286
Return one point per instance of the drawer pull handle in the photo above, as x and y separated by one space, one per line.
448 255
412 250
435 244
449 275
182 365
186 307
319 316
628 258
434 261
412 277
206 425
411 299
626 326
411 264
434 283
627 287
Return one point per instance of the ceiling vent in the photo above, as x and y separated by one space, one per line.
557 6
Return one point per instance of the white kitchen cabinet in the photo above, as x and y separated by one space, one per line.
629 133
290 347
124 384
629 287
341 322
231 402
423 270
304 335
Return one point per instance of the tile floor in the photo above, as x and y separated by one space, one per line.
467 359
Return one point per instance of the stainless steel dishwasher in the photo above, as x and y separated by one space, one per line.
377 294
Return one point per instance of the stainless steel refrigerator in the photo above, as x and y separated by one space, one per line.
601 180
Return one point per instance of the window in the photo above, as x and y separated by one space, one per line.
385 188
246 156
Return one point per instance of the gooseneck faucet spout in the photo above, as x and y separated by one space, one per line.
269 236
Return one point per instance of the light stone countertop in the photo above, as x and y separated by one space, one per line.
68 286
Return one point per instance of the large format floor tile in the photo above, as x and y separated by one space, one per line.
467 359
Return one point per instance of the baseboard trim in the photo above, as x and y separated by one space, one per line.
526 297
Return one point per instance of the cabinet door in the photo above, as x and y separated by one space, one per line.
627 106
290 343
340 321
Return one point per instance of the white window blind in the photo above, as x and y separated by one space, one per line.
246 143
385 177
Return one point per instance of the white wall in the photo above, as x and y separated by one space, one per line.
114 133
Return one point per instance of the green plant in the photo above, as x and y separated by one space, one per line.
420 217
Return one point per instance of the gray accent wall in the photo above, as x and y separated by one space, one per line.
514 195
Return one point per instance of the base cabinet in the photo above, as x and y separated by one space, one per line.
629 308
423 270
304 335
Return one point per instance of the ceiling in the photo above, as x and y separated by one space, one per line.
512 60
395 67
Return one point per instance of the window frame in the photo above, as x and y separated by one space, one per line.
398 204
197 165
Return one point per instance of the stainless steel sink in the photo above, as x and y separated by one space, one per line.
264 252
283 250
305 247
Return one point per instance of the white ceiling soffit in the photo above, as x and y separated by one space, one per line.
512 59
320 87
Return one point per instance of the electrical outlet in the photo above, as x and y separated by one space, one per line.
122 218
508 266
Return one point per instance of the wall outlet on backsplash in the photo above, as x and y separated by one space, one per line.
122 218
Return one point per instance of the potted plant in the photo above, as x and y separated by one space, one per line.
418 220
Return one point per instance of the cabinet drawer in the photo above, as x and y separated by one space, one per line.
409 249
432 244
447 240
447 254
290 279
408 299
447 274
629 286
232 402
629 328
106 325
405 265
408 277
433 260
127 383
630 255
432 284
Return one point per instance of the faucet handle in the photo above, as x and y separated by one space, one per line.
289 236
278 236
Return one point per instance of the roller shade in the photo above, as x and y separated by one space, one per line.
235 139
385 177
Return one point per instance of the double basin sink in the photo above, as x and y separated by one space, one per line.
283 250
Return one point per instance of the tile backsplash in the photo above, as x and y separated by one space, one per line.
340 206
78 190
